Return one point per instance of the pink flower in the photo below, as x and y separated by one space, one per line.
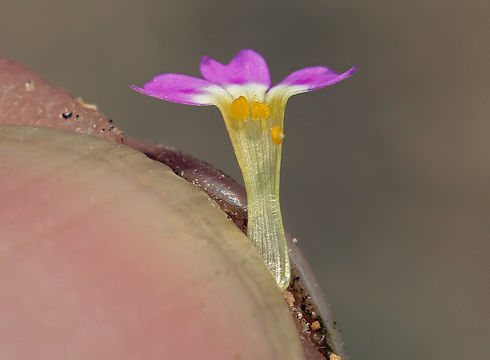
254 116
246 75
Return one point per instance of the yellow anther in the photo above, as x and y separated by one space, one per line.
277 135
240 109
260 110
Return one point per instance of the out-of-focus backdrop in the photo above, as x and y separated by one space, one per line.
386 176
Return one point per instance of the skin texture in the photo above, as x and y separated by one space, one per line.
107 254
133 269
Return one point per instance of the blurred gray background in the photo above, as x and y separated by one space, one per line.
386 176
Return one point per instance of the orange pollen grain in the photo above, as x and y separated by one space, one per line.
277 135
240 109
260 110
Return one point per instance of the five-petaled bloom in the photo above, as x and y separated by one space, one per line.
254 115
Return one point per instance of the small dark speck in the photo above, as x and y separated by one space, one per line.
303 307
67 115
110 120
103 129
77 116
111 128
122 140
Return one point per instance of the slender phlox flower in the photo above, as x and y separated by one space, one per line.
254 116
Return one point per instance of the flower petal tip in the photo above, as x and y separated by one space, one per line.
136 88
352 70
205 60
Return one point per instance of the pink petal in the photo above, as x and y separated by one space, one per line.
246 67
182 89
309 79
